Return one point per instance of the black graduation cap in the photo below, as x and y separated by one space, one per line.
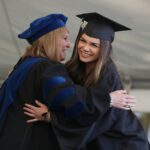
101 27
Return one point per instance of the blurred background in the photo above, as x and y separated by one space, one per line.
131 49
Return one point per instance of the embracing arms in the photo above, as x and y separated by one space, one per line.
59 87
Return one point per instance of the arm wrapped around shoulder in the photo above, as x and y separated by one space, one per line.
73 101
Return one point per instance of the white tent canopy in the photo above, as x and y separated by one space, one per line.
131 50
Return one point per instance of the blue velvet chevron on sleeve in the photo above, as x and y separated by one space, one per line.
60 96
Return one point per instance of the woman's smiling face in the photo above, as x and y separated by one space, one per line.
88 48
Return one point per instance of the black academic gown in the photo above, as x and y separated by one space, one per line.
117 129
49 82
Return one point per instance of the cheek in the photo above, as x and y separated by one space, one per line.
63 43
79 46
97 53
96 56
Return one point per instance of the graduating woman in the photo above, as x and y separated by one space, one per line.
92 67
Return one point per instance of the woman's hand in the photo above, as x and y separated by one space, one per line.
120 99
39 113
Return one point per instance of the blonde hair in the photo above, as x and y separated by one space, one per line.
77 69
46 46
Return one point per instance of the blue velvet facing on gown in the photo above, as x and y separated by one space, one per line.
53 82
62 96
12 83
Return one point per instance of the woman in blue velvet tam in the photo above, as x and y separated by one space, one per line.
49 39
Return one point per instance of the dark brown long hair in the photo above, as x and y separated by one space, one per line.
77 69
